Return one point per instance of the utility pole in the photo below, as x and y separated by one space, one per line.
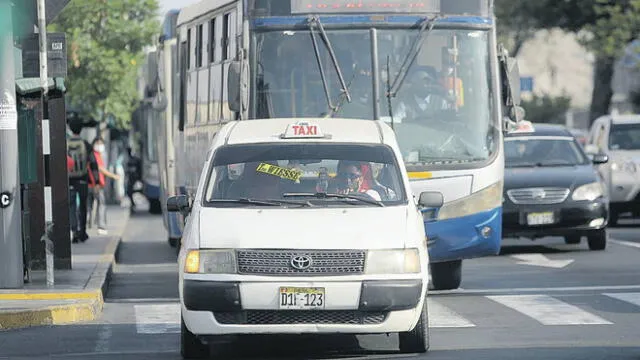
11 266
46 144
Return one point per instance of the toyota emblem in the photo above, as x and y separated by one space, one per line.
301 262
538 194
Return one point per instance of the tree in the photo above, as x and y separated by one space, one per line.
609 24
547 109
106 42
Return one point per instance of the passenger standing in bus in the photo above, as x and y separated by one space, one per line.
97 183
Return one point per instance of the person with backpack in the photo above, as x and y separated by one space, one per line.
81 155
134 174
97 183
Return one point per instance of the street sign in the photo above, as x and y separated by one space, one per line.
526 83
56 55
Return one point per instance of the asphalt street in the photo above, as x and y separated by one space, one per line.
537 300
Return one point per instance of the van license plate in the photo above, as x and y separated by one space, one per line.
544 218
296 298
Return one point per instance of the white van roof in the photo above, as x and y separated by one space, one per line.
334 131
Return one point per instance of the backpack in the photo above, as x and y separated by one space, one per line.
77 150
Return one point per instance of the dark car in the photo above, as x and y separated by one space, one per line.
551 188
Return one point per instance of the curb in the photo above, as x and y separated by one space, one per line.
88 305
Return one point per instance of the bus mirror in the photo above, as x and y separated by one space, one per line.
513 72
233 85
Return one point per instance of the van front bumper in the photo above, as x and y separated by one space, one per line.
360 307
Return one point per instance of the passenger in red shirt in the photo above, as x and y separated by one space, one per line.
97 182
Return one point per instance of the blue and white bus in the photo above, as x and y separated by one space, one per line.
433 69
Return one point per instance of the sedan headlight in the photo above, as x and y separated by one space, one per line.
210 262
588 192
627 166
486 199
406 261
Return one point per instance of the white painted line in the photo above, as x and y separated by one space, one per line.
631 298
625 243
441 316
46 138
549 311
536 290
158 318
541 260
48 204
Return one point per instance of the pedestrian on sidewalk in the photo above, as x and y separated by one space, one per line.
80 153
97 183
134 174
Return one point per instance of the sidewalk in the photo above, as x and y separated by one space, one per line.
78 293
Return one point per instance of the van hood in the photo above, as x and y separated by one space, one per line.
324 228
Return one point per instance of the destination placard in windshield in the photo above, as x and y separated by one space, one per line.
364 6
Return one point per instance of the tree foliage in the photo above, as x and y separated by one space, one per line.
106 42
547 109
606 27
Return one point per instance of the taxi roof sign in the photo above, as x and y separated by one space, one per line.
524 126
303 130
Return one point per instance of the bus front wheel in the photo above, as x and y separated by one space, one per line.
446 275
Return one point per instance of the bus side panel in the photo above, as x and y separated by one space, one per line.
462 238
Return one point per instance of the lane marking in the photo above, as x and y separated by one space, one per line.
441 316
631 298
537 290
541 260
625 243
157 318
548 310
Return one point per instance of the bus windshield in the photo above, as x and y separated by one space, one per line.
443 112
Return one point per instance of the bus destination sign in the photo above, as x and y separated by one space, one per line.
364 6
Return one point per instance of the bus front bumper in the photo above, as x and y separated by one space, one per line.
466 237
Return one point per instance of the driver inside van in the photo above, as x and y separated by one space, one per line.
350 180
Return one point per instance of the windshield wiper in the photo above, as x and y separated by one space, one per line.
427 26
335 196
268 202
315 21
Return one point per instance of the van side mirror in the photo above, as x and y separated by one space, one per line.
431 199
599 159
179 204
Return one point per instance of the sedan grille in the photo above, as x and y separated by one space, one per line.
321 262
538 196
273 317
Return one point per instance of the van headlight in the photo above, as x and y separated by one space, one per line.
588 192
486 199
210 262
405 261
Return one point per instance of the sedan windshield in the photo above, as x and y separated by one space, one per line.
304 175
541 151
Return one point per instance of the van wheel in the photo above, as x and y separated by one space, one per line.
597 240
446 275
190 346
416 340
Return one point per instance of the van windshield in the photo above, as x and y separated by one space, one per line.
304 175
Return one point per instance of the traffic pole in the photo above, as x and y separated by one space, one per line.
46 145
11 261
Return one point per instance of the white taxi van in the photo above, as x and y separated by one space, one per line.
306 227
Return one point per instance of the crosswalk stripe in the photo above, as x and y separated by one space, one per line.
631 298
548 310
441 316
157 318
